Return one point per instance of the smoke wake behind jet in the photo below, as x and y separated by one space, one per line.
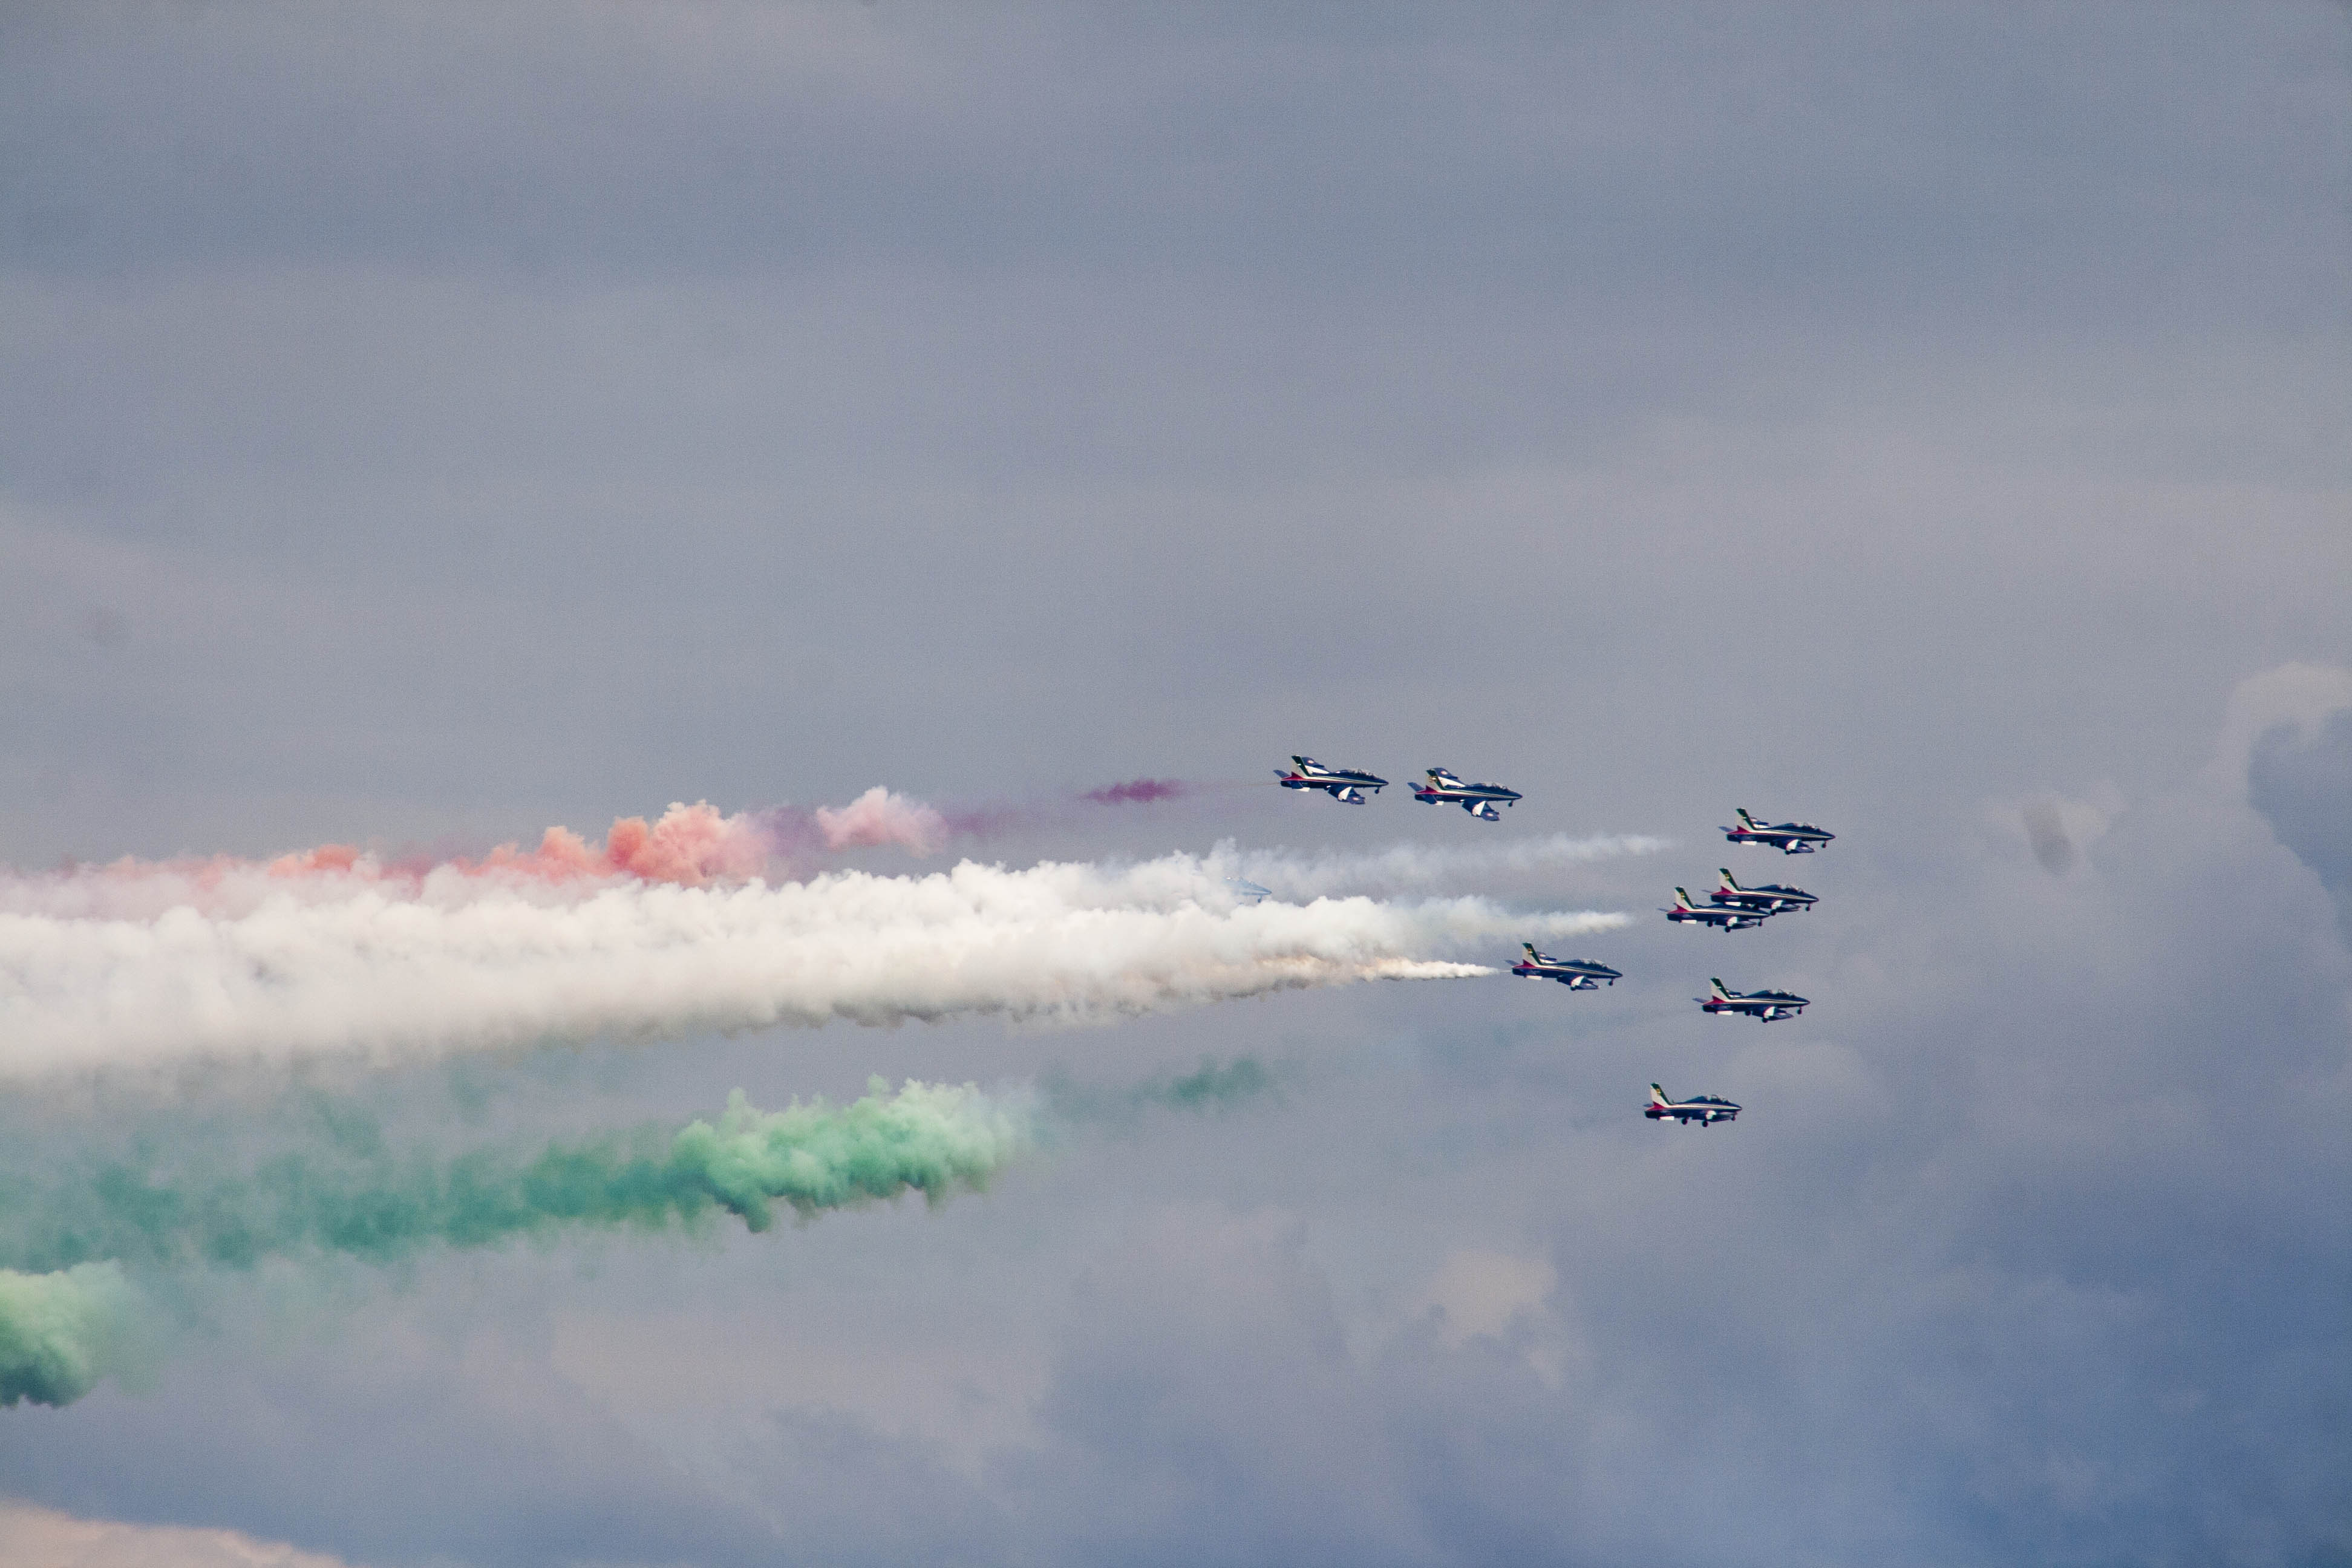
1418 868
473 964
70 1246
76 1237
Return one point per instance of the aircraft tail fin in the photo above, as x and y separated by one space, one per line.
1657 1097
1716 986
1745 820
1532 953
1682 898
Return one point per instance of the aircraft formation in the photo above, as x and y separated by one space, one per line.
1347 785
1729 907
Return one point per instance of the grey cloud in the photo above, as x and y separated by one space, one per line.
483 419
2045 830
2301 784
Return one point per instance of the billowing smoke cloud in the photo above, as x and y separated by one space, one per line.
879 817
468 964
62 1324
60 1332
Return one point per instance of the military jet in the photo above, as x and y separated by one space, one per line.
1770 898
1789 838
1244 889
1346 785
1576 973
1478 799
1764 1006
1723 916
1704 1109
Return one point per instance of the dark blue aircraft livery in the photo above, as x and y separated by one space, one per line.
1346 785
1764 1006
1789 838
1478 799
1723 916
1770 898
1704 1109
1576 973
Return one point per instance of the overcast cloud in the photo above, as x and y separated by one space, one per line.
420 426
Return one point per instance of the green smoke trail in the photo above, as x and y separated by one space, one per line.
60 1332
65 1301
357 1199
65 1304
1213 1088
1208 1087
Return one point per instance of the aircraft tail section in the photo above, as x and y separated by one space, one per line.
1745 820
1729 884
1683 899
1657 1097
1716 986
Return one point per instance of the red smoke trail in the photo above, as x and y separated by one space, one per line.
995 819
692 845
1137 791
688 846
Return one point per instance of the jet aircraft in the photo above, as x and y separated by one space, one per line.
1723 916
1764 1006
1244 889
1478 799
1770 898
1576 973
1704 1109
1346 785
1789 838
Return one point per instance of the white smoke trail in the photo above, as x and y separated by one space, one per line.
1417 868
476 964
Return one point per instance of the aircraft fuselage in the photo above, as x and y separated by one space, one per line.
1346 785
1789 838
1576 973
1478 799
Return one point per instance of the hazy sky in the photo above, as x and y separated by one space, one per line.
419 425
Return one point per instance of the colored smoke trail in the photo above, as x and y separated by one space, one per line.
689 845
1208 1087
1137 791
357 1199
474 966
65 1310
60 1332
73 1241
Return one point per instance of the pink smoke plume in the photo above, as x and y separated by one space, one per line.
877 818
689 845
